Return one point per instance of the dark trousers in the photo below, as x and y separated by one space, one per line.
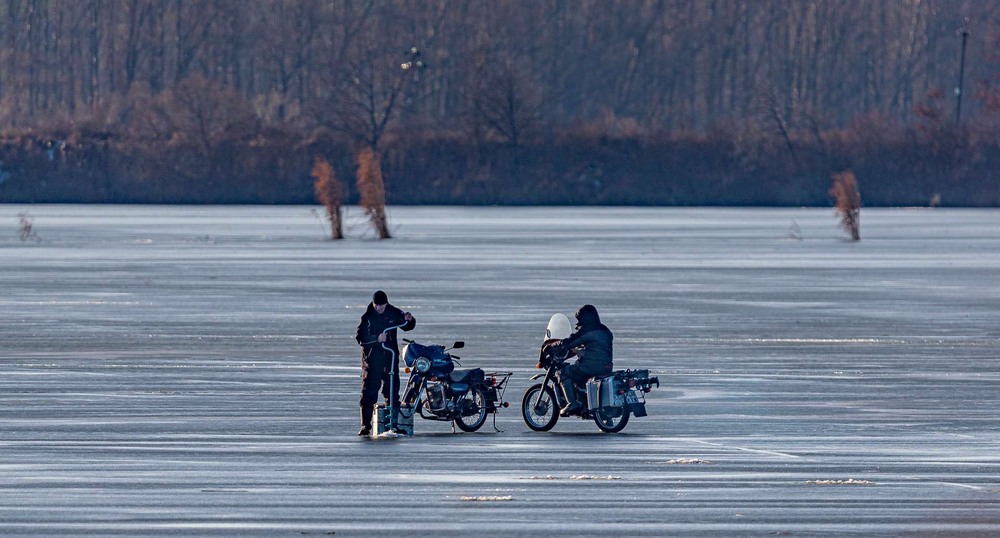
581 373
375 378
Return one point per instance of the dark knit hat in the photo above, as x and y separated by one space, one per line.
587 316
380 298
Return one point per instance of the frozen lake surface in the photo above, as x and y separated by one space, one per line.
192 371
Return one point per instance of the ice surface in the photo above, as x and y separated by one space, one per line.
192 371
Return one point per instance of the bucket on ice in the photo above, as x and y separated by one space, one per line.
380 420
404 420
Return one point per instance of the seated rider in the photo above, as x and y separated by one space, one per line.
592 343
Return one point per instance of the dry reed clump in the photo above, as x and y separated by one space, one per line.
372 191
847 201
26 227
330 193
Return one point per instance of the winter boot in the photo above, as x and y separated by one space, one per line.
573 405
366 419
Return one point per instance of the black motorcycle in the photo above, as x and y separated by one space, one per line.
437 391
608 400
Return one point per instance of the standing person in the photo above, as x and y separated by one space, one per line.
378 347
592 343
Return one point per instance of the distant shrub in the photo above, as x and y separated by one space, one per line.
372 191
330 193
26 227
847 202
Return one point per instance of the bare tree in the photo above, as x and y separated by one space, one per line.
771 110
369 93
363 107
506 102
202 112
197 122
674 64
989 86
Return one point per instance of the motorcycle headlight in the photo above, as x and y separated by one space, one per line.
422 365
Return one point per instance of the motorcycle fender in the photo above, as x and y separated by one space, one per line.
537 376
638 409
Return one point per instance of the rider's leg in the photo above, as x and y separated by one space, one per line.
566 377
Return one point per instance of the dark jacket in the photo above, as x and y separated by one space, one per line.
591 341
372 324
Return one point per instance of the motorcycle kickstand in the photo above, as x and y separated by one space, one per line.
453 427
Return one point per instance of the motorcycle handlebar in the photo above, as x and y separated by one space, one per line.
647 384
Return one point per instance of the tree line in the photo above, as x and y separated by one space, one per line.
644 101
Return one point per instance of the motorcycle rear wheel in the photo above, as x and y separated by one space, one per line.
471 423
610 424
543 417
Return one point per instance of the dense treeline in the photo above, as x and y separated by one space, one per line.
590 101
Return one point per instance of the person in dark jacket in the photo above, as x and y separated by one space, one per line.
592 344
378 348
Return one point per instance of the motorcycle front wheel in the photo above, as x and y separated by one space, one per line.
608 423
474 399
542 415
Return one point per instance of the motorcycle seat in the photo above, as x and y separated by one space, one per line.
467 376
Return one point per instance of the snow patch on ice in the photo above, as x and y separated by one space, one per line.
848 482
684 461
826 341
573 477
